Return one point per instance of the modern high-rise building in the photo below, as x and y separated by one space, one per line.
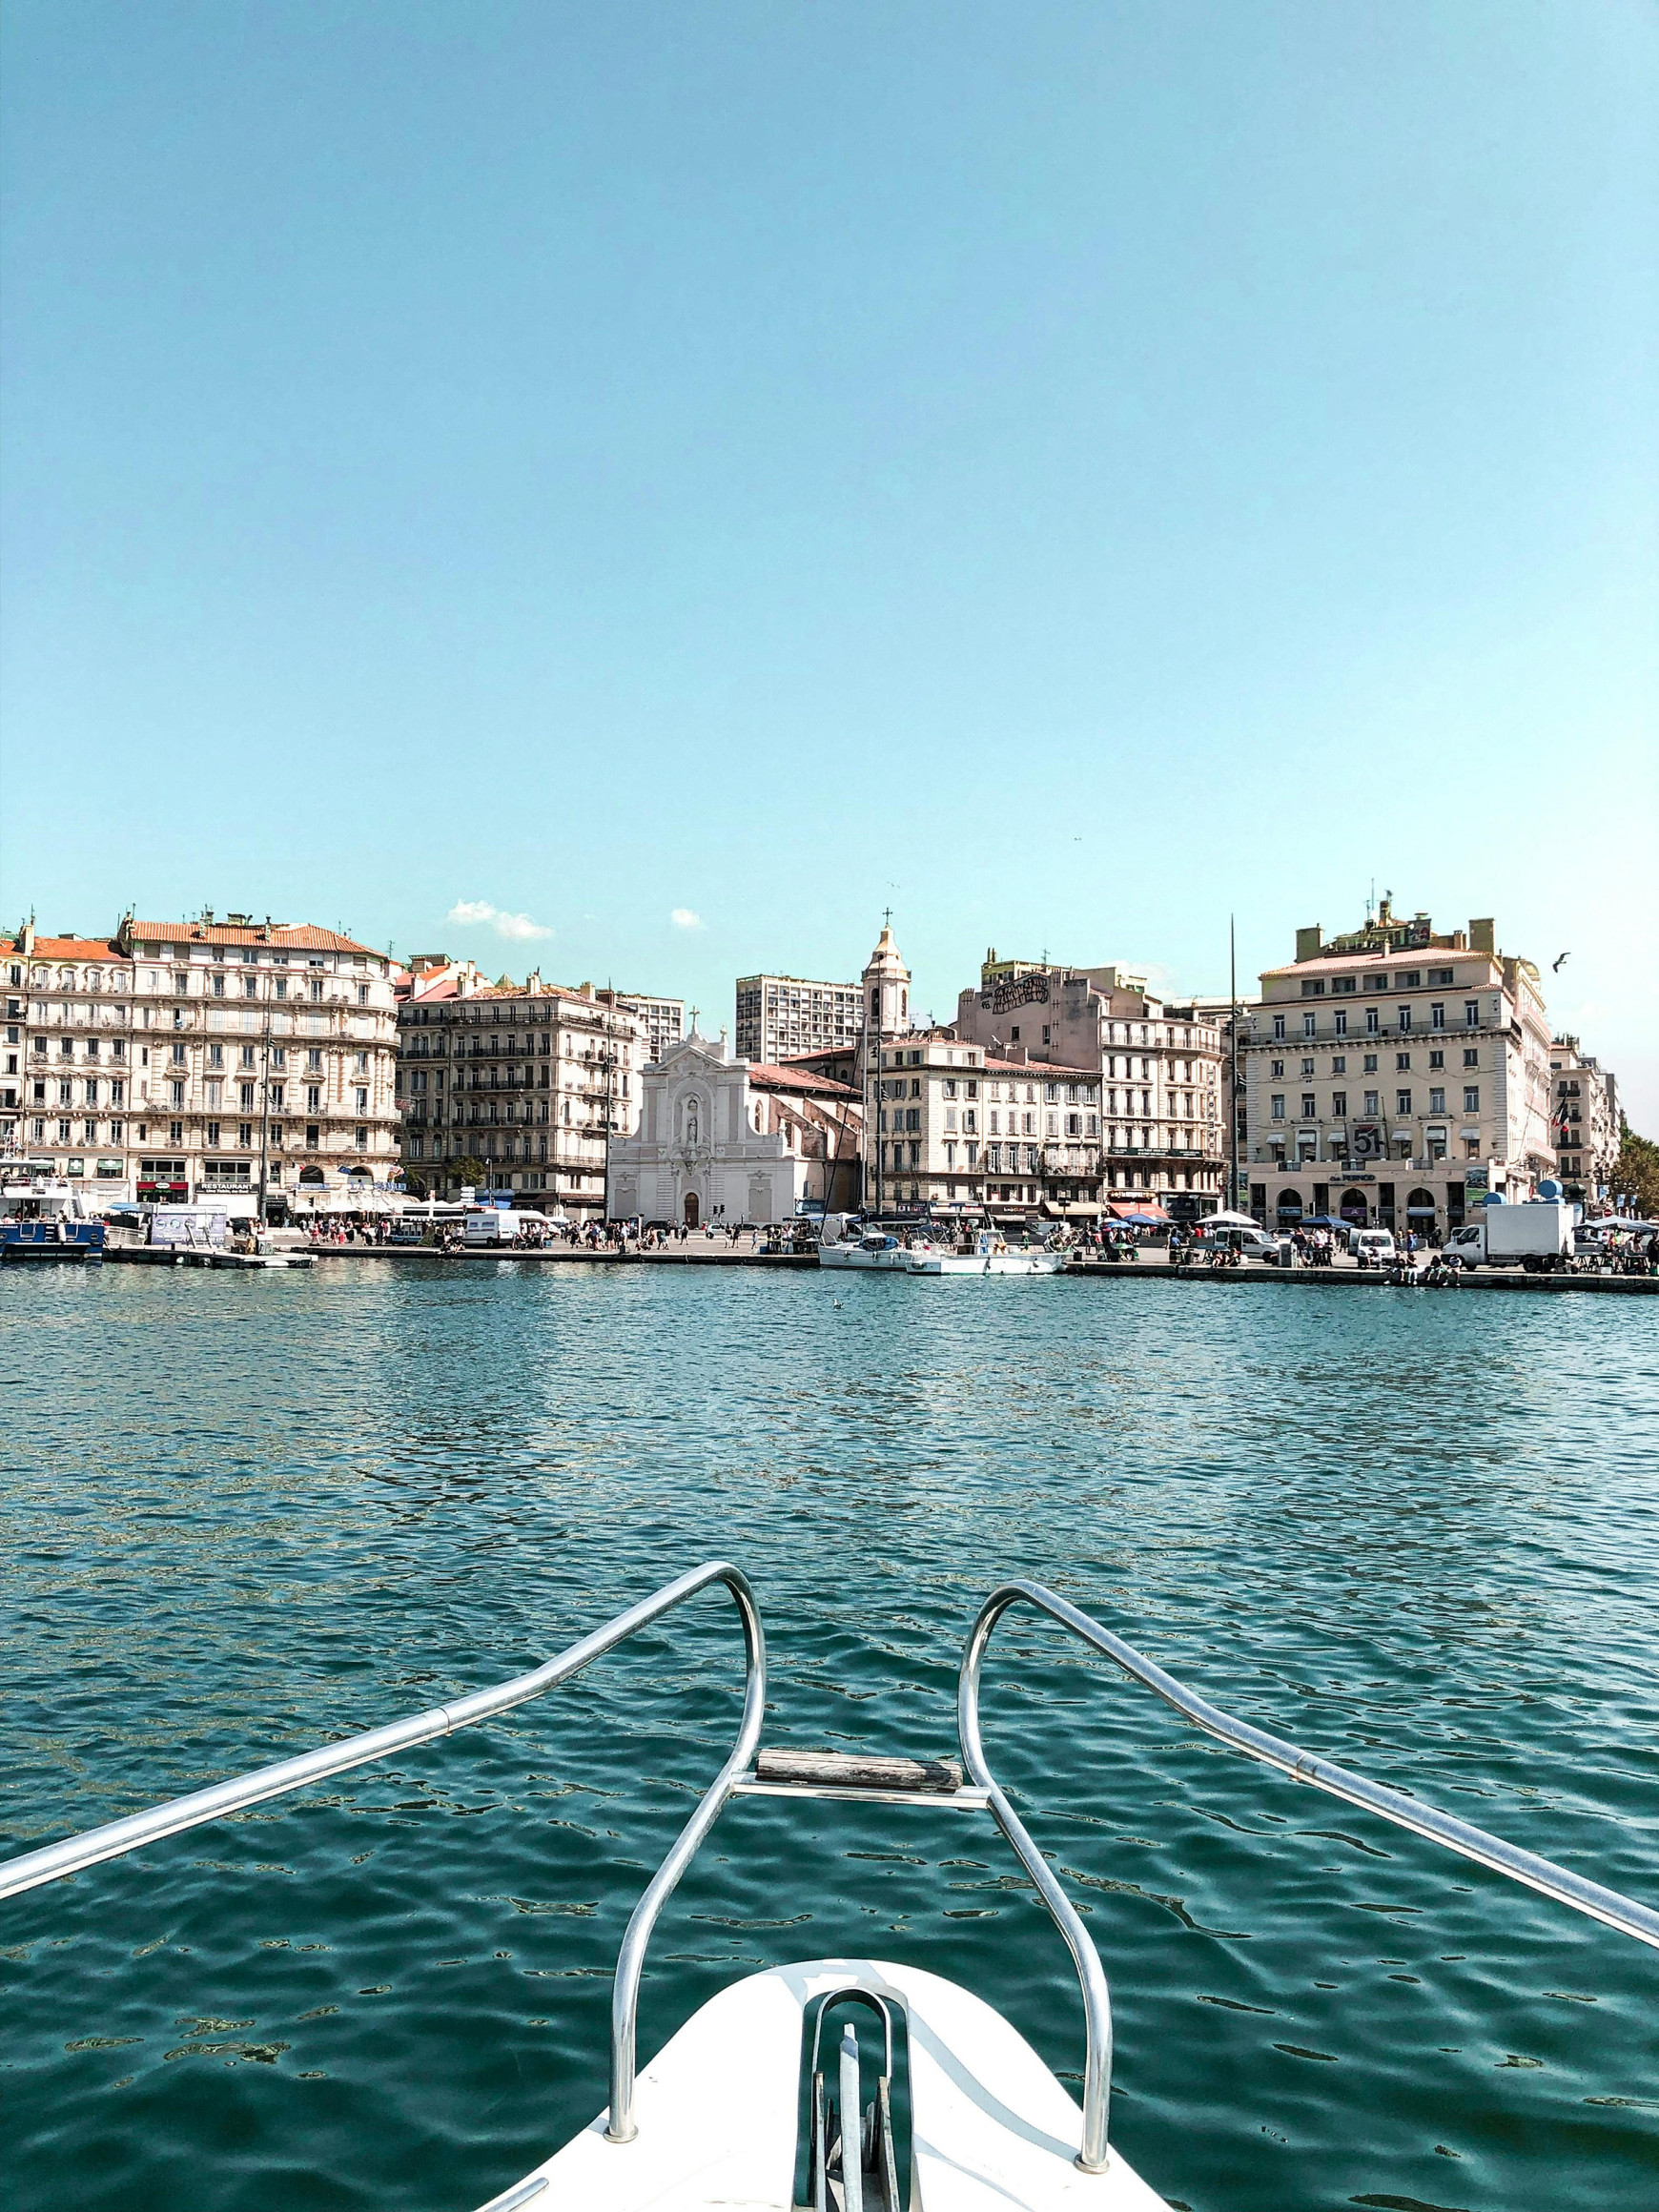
781 1016
664 1021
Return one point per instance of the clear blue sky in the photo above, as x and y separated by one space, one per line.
1071 471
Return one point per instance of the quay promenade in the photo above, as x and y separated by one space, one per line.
1152 1266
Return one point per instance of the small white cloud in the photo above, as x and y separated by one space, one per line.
683 918
473 913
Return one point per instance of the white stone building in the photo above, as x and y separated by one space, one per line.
1585 1120
184 1058
722 1142
1395 1076
521 1088
1162 1103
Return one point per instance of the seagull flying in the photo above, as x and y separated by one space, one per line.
1555 965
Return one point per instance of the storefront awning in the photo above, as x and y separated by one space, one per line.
1137 1210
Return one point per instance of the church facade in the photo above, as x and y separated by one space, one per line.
723 1140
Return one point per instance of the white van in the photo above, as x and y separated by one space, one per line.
1377 1243
487 1225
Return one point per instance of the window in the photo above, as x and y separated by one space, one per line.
178 1056
1340 1064
1471 1098
1372 1103
1471 1014
1309 1105
218 986
213 1092
245 1136
1471 1056
1279 1028
177 1099
215 1055
313 1096
362 1100
1370 1063
175 1133
1373 1022
313 1057
1314 989
1405 1017
213 1135
1277 1106
363 993
1437 1102
1339 1105
276 1094
1403 1102
364 1058
316 990
1437 1059
1307 1067
1402 1061
1437 1017
312 1134
1275 1068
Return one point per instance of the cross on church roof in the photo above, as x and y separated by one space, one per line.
887 917
695 1012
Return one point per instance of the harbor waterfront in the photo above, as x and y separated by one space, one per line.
246 1514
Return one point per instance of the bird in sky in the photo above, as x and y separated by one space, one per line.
1555 965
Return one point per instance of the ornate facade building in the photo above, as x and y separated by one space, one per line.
1585 1120
1395 1076
1163 1129
722 1142
531 1085
190 1058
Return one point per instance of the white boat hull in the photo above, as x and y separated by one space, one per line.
893 1262
986 1263
993 2129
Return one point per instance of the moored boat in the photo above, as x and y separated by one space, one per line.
43 1217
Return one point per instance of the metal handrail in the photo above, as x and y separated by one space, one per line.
116 1838
1551 1880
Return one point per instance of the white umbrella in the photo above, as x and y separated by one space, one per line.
1227 1220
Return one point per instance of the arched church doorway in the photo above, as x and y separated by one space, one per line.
690 1209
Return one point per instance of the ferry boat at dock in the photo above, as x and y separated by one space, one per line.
845 2085
44 1216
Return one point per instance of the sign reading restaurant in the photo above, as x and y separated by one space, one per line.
1021 991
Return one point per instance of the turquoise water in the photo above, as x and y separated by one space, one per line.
243 1514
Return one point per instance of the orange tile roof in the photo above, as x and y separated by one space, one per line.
767 1075
71 949
301 936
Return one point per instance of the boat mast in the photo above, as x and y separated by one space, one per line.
1233 1100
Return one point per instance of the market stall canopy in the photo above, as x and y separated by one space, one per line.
1127 1210
1226 1220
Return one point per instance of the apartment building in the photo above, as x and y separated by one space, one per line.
953 1123
779 1017
664 1021
189 1059
1584 1114
1395 1076
1158 1066
67 1088
530 1083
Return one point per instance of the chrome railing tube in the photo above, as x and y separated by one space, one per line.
1543 1875
1093 2156
75 1853
624 1998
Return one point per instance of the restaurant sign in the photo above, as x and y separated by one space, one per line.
1023 990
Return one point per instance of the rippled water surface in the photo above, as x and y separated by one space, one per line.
243 1514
